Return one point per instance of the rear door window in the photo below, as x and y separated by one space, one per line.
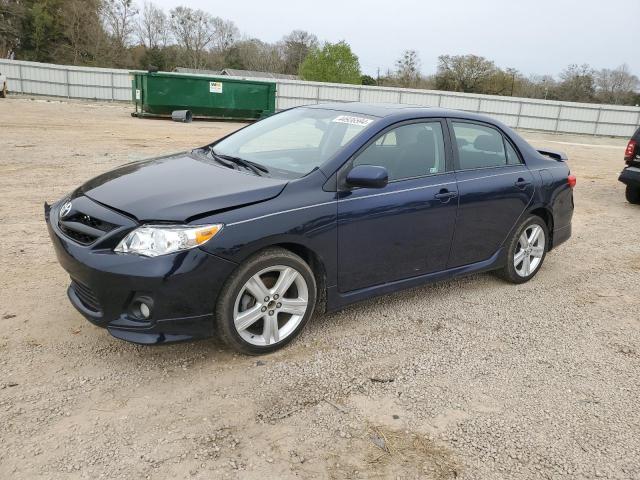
480 146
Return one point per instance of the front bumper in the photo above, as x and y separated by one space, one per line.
630 176
182 288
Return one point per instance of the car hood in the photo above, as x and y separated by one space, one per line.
179 187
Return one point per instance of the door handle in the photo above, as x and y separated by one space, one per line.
445 195
522 183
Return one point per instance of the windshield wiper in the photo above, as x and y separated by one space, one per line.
226 163
254 167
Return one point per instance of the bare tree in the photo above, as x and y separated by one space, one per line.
295 47
408 69
83 31
193 31
253 54
463 73
577 83
616 86
503 82
119 19
153 27
225 34
538 86
12 13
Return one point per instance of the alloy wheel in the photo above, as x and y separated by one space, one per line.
529 251
271 305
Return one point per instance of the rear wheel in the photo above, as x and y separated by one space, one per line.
526 251
633 194
266 302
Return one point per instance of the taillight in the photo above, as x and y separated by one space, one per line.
631 150
571 181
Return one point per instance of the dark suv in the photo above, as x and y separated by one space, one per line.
630 176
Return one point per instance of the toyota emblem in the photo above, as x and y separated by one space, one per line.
64 211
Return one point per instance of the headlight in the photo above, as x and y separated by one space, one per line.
154 240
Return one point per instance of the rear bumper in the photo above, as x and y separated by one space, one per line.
630 176
561 235
181 289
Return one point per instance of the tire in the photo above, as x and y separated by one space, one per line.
245 322
516 271
4 91
633 194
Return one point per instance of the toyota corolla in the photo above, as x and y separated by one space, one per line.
311 209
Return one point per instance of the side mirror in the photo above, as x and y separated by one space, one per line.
368 176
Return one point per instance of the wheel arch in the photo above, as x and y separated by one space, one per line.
546 214
317 267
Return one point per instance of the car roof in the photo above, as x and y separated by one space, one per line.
382 110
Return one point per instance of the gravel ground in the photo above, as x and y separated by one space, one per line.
472 378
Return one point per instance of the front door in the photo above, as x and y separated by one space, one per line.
404 229
495 188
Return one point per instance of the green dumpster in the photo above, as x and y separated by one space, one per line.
159 94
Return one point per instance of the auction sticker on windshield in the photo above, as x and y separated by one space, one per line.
350 120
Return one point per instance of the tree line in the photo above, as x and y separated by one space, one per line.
121 34
475 74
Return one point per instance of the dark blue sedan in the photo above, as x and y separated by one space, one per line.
313 208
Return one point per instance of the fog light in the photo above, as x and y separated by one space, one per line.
145 311
141 308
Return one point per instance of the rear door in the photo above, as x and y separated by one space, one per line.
494 185
404 229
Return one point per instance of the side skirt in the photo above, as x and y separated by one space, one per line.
337 300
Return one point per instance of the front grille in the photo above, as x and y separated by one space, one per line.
79 237
83 228
84 219
86 296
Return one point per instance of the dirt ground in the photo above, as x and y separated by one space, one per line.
472 378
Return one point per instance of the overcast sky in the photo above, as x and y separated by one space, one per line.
535 36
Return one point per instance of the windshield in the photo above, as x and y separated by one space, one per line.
294 142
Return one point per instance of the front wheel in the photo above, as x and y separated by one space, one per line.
526 251
633 194
266 302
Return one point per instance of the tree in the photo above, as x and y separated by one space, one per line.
40 29
577 84
537 86
194 31
43 25
225 34
12 15
119 18
63 31
254 54
503 82
296 47
463 73
153 27
86 38
334 62
368 80
616 86
408 69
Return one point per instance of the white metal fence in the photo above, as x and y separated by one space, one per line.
525 113
67 81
